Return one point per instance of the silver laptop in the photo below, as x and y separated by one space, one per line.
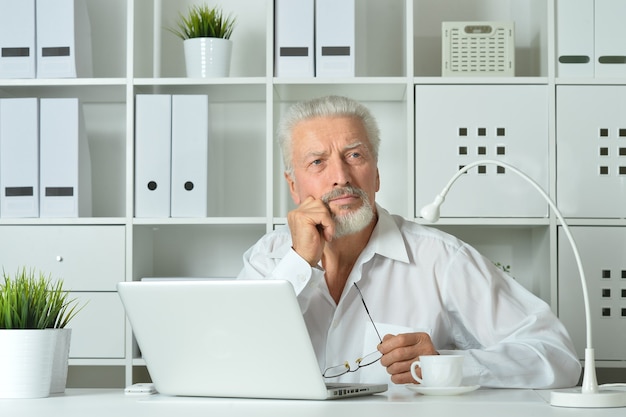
228 338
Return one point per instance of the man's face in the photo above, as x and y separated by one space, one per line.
330 153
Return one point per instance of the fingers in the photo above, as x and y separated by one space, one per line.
401 350
405 377
311 226
413 344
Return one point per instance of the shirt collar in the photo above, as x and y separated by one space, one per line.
386 239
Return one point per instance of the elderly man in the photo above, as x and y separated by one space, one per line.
427 292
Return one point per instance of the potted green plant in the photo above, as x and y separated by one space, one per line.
34 311
205 32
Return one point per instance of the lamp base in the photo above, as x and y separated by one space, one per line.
576 399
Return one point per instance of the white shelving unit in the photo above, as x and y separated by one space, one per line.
398 53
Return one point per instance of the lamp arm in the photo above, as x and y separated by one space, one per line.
556 211
590 396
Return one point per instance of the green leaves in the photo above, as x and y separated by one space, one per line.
30 302
203 21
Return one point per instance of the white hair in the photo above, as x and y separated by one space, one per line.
328 106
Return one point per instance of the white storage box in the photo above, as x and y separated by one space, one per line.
456 125
602 251
591 151
478 49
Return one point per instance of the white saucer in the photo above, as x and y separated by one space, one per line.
441 390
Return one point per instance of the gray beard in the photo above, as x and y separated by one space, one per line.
354 221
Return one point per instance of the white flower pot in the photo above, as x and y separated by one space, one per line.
60 361
26 362
207 57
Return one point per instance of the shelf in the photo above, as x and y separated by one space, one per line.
360 88
184 81
611 364
64 221
477 222
487 221
590 81
96 362
61 82
96 90
192 249
483 80
139 362
227 90
596 222
201 221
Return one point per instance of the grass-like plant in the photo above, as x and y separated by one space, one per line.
202 21
30 301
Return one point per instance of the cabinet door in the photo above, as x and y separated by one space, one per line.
591 151
459 124
602 252
98 329
87 258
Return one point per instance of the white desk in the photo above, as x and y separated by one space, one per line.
399 401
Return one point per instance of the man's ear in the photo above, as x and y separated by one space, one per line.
292 187
377 180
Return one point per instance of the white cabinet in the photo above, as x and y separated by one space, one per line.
602 249
90 259
591 150
456 125
536 120
98 332
87 258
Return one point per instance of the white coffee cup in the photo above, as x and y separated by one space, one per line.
439 370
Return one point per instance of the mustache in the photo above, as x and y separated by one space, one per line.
339 192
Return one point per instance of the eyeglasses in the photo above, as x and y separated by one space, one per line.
370 358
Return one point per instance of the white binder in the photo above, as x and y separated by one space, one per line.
575 38
17 39
19 157
63 39
334 38
153 121
64 160
295 40
190 133
610 32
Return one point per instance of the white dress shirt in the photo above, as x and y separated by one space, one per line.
419 279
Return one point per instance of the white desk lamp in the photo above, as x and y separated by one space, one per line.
588 395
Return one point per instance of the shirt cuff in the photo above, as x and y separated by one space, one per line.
296 270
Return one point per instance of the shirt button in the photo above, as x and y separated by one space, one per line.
302 277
